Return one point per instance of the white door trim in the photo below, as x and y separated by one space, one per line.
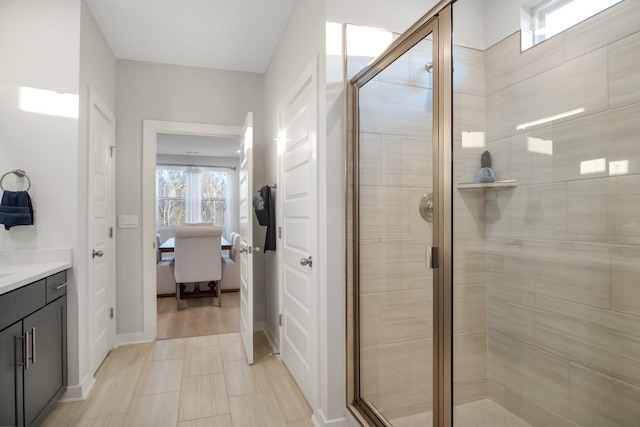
150 131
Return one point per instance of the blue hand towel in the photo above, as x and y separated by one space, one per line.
16 209
485 175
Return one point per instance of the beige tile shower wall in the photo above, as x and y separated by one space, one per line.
563 248
470 258
395 286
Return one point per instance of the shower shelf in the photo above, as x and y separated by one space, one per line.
507 183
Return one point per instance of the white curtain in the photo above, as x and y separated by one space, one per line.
193 191
230 213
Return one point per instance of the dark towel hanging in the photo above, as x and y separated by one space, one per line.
16 209
265 211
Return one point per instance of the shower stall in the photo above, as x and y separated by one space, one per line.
507 303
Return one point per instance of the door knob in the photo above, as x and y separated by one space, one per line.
426 207
243 250
257 249
306 261
96 254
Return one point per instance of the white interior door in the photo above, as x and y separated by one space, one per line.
101 217
246 236
298 201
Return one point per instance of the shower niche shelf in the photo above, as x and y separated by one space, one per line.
507 183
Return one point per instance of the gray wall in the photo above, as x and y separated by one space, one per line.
54 46
296 48
98 71
40 49
171 93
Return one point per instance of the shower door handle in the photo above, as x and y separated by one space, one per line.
431 257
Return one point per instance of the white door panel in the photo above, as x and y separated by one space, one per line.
246 237
298 294
297 234
101 215
297 198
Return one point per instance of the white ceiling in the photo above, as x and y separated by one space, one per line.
195 145
238 35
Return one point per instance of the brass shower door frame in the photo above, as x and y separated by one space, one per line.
437 22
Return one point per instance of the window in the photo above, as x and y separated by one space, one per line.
544 19
171 196
192 195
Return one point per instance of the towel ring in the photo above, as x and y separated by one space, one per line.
20 173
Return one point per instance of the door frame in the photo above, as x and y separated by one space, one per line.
308 74
95 101
150 131
438 21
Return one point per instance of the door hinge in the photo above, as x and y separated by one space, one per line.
111 149
111 232
280 319
111 313
279 232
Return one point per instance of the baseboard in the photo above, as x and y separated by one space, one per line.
319 420
273 342
134 338
80 391
171 295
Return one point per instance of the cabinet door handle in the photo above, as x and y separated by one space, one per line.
33 345
61 286
26 350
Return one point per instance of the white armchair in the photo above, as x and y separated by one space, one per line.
165 233
231 267
165 281
198 256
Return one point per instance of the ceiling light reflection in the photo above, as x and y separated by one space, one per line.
282 142
550 118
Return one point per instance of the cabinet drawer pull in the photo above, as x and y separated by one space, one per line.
61 286
33 345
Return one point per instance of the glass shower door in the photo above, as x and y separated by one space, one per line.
393 236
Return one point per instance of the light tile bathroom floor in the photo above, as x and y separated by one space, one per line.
481 413
189 382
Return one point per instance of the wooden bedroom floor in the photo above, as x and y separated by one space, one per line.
200 317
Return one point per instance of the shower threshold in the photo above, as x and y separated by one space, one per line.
483 412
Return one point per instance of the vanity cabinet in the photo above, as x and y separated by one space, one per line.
33 350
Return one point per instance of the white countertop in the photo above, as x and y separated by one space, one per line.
23 266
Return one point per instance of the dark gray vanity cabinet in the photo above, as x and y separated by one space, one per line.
33 351
11 375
